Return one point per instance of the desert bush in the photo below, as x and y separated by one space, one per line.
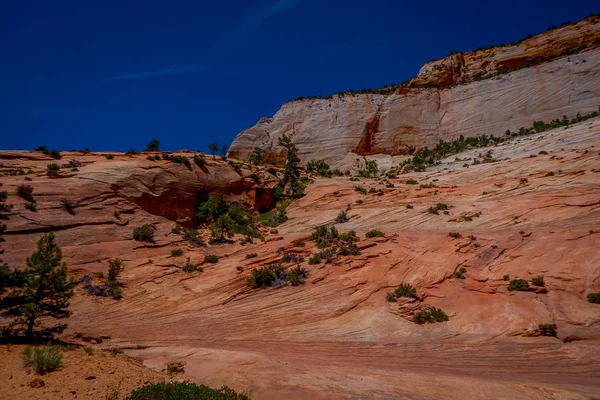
211 258
324 235
549 174
297 275
594 298
176 253
144 233
405 290
547 329
359 201
274 218
341 217
189 267
31 207
176 229
184 391
374 233
67 205
25 192
131 152
412 182
390 297
299 244
115 267
181 160
437 208
193 238
5 207
460 273
52 169
42 359
350 236
272 171
270 275
251 255
454 235
429 316
3 195
349 250
153 145
114 290
199 160
409 206
109 156
89 350
538 280
116 350
318 167
360 189
212 208
239 268
518 284
506 277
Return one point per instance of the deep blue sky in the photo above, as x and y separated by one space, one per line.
113 74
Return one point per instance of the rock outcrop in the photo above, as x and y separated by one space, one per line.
343 128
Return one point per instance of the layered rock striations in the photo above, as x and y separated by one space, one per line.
544 86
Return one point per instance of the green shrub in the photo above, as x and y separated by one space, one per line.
341 217
212 208
374 233
454 235
189 267
547 329
267 276
176 253
114 290
405 290
518 284
193 238
390 297
67 205
409 206
131 152
299 244
3 195
53 169
239 268
181 160
25 192
184 391
360 189
42 360
89 350
153 146
31 207
359 201
318 167
594 298
349 250
437 208
115 267
538 280
5 207
116 350
297 275
199 160
429 316
251 255
144 233
412 182
324 235
109 156
211 258
272 171
460 273
176 229
274 218
506 277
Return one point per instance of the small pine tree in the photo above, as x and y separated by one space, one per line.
42 289
222 228
291 170
153 145
213 147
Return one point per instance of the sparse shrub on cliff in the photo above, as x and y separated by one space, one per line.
538 280
181 160
131 152
412 182
199 160
318 167
176 229
5 207
52 169
349 250
67 205
404 290
221 229
144 233
547 329
429 316
272 171
370 171
454 235
342 217
506 277
594 298
184 391
26 192
3 195
256 156
193 238
31 207
360 189
390 297
189 267
42 359
374 233
324 235
109 156
359 201
518 284
213 147
153 146
437 208
176 253
297 275
251 255
211 258
460 273
274 218
212 208
115 267
299 244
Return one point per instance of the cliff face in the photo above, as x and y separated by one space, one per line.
344 127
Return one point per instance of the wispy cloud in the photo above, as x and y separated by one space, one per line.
247 25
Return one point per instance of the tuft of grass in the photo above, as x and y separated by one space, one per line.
42 360
176 229
460 273
67 205
89 350
116 350
405 290
211 258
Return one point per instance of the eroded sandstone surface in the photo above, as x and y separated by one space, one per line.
534 210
